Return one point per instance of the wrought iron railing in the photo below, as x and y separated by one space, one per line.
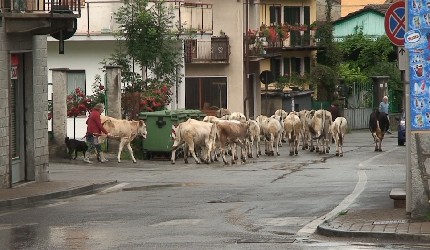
217 50
259 45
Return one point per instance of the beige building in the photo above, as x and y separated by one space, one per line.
23 86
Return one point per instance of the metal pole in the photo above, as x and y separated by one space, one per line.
408 126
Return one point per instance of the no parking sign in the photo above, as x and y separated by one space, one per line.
395 23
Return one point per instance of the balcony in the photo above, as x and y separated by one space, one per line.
98 17
217 50
41 17
272 42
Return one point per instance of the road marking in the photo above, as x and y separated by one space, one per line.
311 227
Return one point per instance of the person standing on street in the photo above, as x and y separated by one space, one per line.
383 107
334 110
94 130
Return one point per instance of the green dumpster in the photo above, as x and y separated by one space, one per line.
159 127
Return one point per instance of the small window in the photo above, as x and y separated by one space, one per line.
76 79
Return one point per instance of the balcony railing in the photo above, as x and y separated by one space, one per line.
217 50
41 6
260 45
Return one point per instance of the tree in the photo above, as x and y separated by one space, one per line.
324 76
146 41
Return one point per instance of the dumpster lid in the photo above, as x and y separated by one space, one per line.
178 113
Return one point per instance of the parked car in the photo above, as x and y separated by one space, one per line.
401 130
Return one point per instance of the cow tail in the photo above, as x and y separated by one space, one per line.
339 133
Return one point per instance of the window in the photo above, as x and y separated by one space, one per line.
292 15
195 16
275 14
293 65
205 92
75 79
275 67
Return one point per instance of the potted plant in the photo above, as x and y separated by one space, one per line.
303 27
313 26
282 82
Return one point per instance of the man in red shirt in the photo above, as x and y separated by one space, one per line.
94 130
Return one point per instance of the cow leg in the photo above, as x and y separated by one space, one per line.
186 153
340 149
243 156
296 146
121 146
257 148
191 148
131 152
173 157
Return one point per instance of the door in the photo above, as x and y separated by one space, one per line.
17 93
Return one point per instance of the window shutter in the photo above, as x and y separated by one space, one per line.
307 15
287 66
307 65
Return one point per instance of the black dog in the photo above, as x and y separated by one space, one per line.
75 146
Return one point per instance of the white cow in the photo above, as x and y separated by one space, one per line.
194 134
292 126
210 118
304 130
283 114
238 116
260 121
124 131
272 131
338 129
320 130
253 139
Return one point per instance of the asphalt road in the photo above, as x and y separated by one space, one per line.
267 203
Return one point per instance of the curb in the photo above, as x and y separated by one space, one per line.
328 231
74 191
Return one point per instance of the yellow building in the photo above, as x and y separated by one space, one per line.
349 6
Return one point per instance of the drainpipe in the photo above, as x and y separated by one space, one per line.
246 52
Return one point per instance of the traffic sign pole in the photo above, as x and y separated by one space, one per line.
407 88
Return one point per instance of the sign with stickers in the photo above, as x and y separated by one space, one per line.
417 41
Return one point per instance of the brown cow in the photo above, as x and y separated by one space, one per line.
229 132
123 130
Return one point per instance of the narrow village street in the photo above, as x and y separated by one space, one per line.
267 203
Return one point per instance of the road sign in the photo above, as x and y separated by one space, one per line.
402 59
395 26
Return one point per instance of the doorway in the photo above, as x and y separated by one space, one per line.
17 119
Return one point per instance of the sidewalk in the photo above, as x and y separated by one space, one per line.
376 223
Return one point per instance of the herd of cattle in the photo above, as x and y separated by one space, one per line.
216 137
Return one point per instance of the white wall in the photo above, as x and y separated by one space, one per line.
85 55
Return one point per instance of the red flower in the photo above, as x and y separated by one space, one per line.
164 89
101 87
